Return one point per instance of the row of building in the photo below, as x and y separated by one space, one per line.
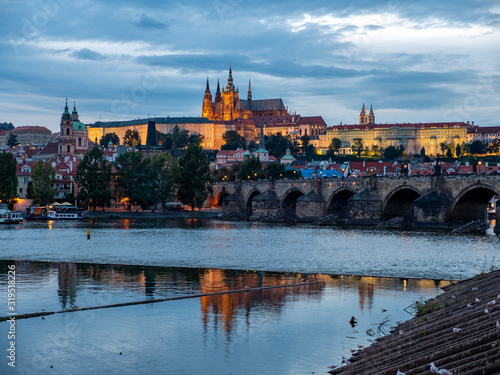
248 117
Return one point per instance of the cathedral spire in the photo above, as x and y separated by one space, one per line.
217 94
208 87
249 91
362 116
371 116
230 85
66 115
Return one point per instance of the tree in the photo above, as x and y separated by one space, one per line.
131 138
93 177
133 177
8 179
277 145
180 137
164 172
391 153
275 171
374 151
110 137
476 147
233 140
422 151
494 146
195 139
12 140
443 147
305 139
194 180
251 169
252 146
458 151
43 179
334 146
165 140
357 146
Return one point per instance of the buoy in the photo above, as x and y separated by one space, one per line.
88 235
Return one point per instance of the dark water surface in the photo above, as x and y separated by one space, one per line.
288 330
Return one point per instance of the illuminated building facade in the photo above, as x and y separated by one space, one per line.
228 106
412 136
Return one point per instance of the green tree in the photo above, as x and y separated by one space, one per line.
449 153
131 138
476 147
494 147
165 140
252 146
233 140
110 137
8 179
391 153
251 169
422 151
374 151
195 179
277 145
93 177
195 139
164 172
275 171
334 146
458 151
443 147
304 140
357 146
133 177
180 137
43 179
12 140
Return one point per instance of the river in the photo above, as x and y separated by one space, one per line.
371 275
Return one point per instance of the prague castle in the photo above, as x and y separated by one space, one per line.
228 106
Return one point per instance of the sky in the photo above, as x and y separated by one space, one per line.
418 61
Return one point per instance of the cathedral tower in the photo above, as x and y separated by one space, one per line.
230 96
208 108
371 116
363 118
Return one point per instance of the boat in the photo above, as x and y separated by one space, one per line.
9 217
56 211
492 207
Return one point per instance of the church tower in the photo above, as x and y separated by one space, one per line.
363 118
208 109
66 145
217 94
371 116
249 98
230 96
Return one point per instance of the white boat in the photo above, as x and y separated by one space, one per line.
55 211
9 217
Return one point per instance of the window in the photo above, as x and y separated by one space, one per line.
67 131
79 142
68 148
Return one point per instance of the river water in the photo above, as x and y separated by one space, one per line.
371 275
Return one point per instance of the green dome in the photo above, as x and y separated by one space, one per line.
77 125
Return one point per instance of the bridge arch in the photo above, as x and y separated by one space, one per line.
221 197
471 202
248 202
399 202
337 204
289 202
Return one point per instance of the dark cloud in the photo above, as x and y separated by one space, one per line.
146 22
87 54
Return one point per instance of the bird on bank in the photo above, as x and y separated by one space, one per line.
486 311
400 373
477 300
444 371
457 331
434 369
491 303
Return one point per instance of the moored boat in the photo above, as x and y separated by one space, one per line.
55 212
9 217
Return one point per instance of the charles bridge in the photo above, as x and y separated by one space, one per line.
425 200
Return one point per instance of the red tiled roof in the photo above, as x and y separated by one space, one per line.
426 125
4 132
275 120
312 120
485 129
51 148
19 129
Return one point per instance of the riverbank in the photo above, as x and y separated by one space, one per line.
458 331
113 214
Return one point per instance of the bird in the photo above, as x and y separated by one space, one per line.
486 311
453 296
434 369
474 288
477 300
401 332
400 373
457 330
345 360
444 371
469 305
491 303
498 325
498 296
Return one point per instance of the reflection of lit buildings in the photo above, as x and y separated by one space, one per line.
67 281
224 307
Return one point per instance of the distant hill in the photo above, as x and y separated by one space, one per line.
6 126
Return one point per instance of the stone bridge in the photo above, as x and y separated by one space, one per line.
419 199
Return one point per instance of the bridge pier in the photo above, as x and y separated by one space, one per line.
365 206
265 205
432 208
310 207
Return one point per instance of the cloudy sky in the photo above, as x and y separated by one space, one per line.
419 61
